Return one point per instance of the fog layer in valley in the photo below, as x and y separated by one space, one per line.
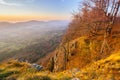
17 36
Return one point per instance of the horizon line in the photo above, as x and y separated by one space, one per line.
35 20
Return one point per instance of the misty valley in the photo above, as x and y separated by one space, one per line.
29 40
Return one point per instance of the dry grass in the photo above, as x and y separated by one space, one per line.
105 69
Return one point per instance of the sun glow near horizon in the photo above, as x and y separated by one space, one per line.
8 18
24 10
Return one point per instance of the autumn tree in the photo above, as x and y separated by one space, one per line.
93 18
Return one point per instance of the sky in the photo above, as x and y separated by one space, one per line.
24 10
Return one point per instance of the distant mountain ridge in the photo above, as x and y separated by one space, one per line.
35 22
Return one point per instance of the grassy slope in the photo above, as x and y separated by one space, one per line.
105 69
86 51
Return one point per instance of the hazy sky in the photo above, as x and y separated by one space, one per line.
19 10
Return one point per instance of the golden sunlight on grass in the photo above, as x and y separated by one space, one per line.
104 69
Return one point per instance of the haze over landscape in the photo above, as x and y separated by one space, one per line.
25 23
59 39
17 36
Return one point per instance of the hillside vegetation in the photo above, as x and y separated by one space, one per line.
104 69
88 39
89 50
